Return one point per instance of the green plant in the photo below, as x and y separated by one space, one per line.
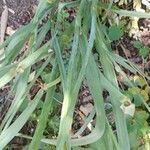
114 33
143 50
87 34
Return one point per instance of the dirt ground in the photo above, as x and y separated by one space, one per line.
20 11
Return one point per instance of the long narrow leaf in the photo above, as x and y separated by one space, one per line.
11 132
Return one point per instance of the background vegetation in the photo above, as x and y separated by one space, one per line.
64 50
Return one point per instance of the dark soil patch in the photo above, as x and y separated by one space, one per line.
20 12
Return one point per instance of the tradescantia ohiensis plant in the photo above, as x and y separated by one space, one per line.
87 35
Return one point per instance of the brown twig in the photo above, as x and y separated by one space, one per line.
4 20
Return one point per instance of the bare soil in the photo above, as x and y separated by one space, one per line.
20 11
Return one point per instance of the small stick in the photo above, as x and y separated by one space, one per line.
4 20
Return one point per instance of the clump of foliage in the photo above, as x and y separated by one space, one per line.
143 50
77 40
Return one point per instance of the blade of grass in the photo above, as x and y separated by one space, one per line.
16 34
8 76
86 122
75 43
127 13
60 62
17 43
44 114
22 84
43 33
11 132
5 69
36 56
68 106
62 5
109 73
98 132
27 62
